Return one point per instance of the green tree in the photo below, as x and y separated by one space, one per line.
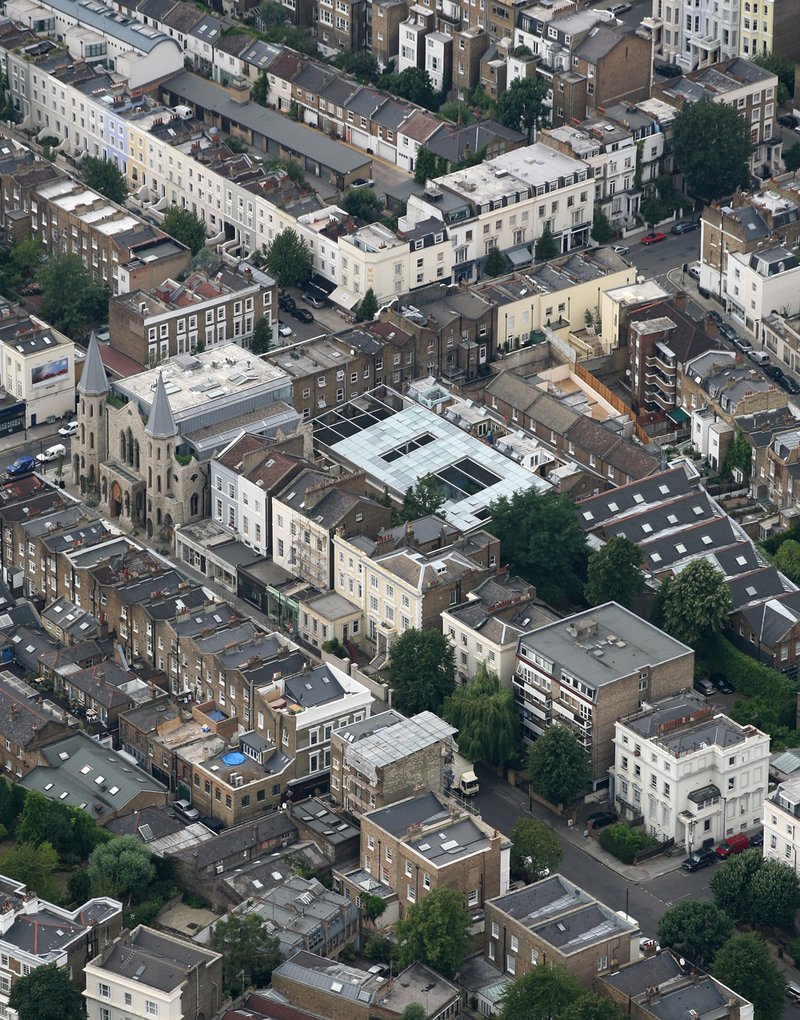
697 602
70 297
367 307
186 227
372 907
435 932
601 228
104 176
122 868
787 559
413 84
453 109
651 209
428 166
32 864
424 498
546 245
260 90
542 539
249 952
732 884
288 259
523 107
414 1011
363 203
745 964
712 146
591 1006
695 930
613 573
361 65
775 896
535 848
496 264
33 823
273 14
791 158
784 68
541 994
559 767
262 337
739 456
486 717
46 994
421 670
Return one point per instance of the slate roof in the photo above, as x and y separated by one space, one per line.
255 835
161 423
155 961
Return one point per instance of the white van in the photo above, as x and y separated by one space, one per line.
52 453
759 357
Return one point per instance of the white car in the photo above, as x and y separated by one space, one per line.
694 270
362 182
51 453
283 329
620 249
69 429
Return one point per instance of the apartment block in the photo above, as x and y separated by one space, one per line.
781 815
38 367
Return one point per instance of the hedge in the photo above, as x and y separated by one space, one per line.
624 842
747 675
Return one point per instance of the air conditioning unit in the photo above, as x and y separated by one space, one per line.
218 869
237 781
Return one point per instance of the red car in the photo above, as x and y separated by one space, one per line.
653 238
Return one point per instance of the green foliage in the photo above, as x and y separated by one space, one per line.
262 336
775 895
541 537
288 259
745 964
739 456
784 68
71 832
435 932
276 28
495 264
591 1006
372 907
413 84
544 993
46 994
421 670
732 884
696 603
260 90
559 767
535 848
249 952
523 107
122 868
293 168
71 299
334 647
651 209
429 166
624 842
546 245
19 266
363 203
32 864
601 228
367 307
613 573
452 109
79 887
104 176
414 1011
791 158
486 718
376 947
712 146
478 99
423 499
360 64
695 930
186 227
787 559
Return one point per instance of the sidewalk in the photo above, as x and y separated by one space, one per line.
30 437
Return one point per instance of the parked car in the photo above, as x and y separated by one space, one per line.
698 859
21 466
283 329
773 372
757 839
789 384
362 182
668 70
654 238
685 227
212 823
302 314
315 300
787 120
184 810
617 9
694 270
726 330
620 249
600 819
286 303
704 687
712 313
735 844
69 429
52 453
722 683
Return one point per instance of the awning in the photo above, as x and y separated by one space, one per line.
319 281
520 257
344 299
678 416
704 794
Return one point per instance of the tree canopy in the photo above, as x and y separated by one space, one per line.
262 336
601 228
559 767
413 84
421 670
435 932
731 884
487 720
288 259
33 864
186 227
745 964
362 203
787 559
712 146
543 993
775 895
428 166
546 246
696 602
367 307
495 264
120 868
613 573
523 106
535 848
249 952
739 456
783 67
696 930
791 158
71 299
542 539
46 994
105 177
361 65
424 498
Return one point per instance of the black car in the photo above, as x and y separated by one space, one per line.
302 314
722 683
773 372
787 120
600 819
286 303
699 859
685 227
727 331
668 70
212 823
757 839
712 313
789 384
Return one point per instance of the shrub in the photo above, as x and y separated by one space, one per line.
793 949
624 842
378 948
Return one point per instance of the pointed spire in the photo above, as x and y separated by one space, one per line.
161 423
94 381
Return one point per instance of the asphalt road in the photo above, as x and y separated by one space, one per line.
20 445
655 260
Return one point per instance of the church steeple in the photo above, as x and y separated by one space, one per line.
94 381
161 423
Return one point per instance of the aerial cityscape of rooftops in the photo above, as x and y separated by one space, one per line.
399 510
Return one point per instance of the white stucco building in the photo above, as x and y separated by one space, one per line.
782 824
760 283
